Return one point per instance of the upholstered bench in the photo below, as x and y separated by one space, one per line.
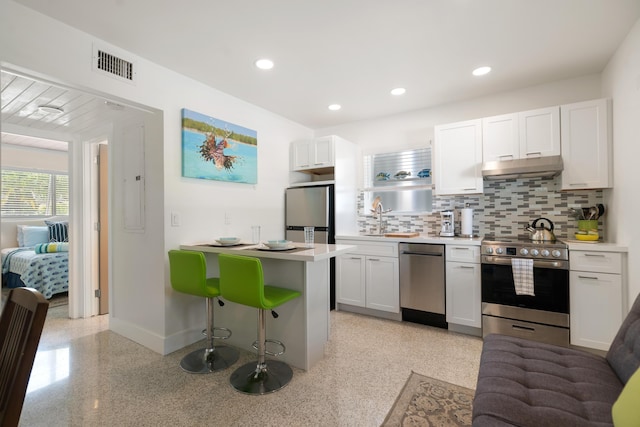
526 383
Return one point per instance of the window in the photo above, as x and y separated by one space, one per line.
30 193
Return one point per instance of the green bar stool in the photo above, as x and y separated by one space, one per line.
242 281
189 275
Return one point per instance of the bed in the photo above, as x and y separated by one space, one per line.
39 261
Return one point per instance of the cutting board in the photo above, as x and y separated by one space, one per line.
412 234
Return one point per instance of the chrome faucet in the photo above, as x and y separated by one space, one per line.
378 212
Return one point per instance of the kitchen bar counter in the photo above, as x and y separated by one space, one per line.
303 323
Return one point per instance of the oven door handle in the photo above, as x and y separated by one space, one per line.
537 263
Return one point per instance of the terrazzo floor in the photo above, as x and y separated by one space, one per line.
86 375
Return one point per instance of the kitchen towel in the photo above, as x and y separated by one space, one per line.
523 276
466 222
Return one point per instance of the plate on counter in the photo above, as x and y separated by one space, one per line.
276 248
228 241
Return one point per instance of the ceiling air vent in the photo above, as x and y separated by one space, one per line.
113 65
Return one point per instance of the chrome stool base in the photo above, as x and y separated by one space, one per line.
204 361
253 378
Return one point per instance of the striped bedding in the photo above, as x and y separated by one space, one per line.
46 272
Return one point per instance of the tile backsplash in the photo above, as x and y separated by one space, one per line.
504 209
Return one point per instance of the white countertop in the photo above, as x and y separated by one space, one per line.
319 252
422 238
577 245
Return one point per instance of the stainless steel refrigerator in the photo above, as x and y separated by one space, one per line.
312 206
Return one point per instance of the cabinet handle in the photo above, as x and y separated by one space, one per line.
588 277
466 266
468 189
578 183
318 164
505 155
537 153
374 259
523 328
595 255
460 249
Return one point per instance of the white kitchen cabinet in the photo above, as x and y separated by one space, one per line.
463 290
500 138
312 154
539 132
596 297
382 283
527 134
369 276
586 146
350 279
458 158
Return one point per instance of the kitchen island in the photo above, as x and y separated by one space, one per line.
303 323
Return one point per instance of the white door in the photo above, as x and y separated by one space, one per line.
383 289
350 280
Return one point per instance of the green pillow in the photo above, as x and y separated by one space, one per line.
626 410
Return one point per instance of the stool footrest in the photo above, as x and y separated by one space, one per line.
279 343
222 337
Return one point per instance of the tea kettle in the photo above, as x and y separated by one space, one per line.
541 233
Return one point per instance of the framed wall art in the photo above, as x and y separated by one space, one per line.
218 150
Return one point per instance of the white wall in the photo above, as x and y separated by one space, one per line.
152 314
33 158
415 129
621 82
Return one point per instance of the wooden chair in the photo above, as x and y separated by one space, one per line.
21 325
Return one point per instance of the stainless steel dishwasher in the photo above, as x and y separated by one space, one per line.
422 285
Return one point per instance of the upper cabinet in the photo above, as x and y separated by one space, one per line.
586 147
458 158
500 138
523 135
539 132
315 153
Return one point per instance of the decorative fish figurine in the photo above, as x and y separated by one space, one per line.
382 176
402 175
424 173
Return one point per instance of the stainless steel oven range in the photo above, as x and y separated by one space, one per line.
541 317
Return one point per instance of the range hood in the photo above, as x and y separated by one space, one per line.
549 166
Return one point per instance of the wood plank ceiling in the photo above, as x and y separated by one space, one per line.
24 122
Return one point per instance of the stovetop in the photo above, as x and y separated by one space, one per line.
521 247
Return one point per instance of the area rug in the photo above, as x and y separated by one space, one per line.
426 401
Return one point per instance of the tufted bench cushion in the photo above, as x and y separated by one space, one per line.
527 383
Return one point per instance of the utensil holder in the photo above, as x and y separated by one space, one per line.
588 224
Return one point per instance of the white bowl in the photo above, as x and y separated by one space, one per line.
228 241
278 244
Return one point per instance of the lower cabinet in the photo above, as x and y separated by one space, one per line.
596 298
463 285
369 277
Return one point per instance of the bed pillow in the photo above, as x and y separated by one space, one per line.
58 231
34 234
44 248
20 229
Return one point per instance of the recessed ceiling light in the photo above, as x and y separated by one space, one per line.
481 71
264 64
335 107
50 109
398 91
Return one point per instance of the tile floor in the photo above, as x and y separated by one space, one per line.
85 375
